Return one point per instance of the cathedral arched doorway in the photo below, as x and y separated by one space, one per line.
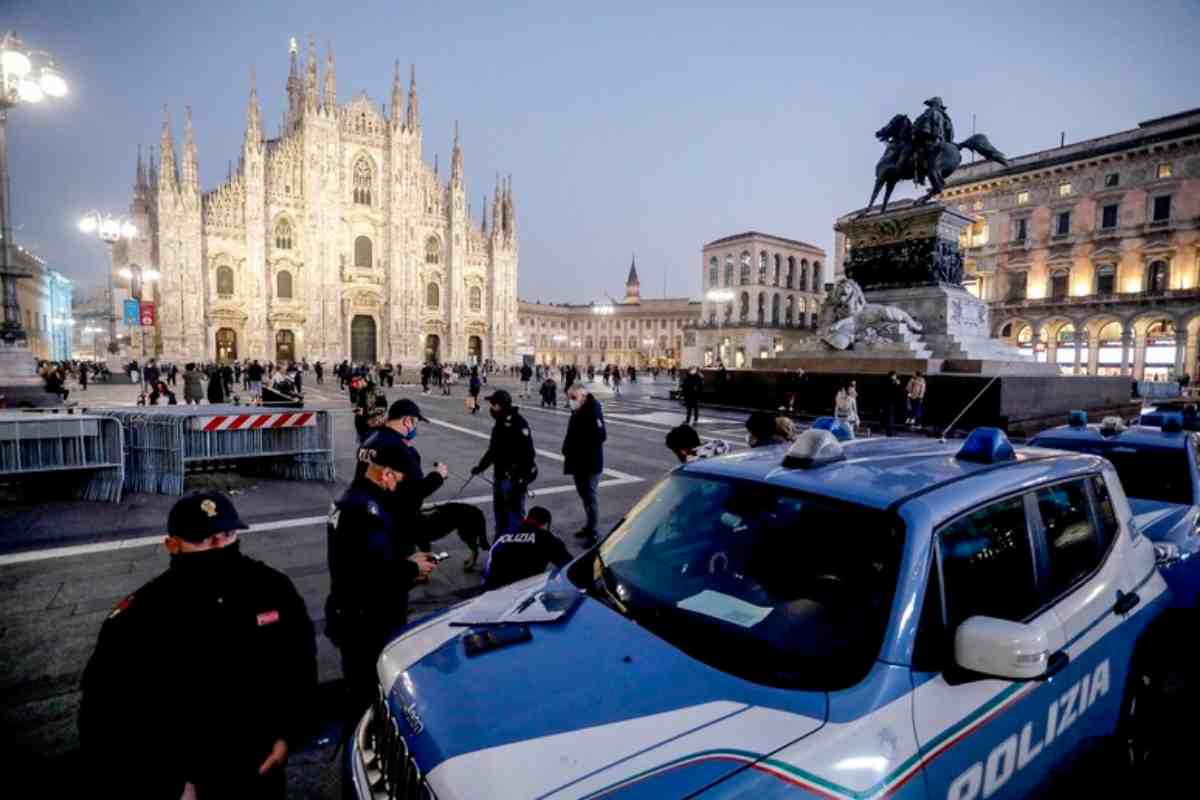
226 344
362 339
474 350
285 347
433 348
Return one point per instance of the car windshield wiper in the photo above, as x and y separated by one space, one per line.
602 581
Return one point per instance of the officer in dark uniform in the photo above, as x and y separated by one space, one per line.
510 450
373 563
201 679
525 552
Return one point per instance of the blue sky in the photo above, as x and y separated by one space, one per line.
628 127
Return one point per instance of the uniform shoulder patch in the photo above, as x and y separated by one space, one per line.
121 607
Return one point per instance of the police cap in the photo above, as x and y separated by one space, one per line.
383 451
405 408
500 397
201 515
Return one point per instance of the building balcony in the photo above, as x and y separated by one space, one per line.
1115 298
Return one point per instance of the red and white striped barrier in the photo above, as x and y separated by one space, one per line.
250 422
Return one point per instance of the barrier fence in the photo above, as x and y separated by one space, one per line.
35 445
162 443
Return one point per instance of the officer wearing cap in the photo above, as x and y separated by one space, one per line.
200 679
510 451
373 561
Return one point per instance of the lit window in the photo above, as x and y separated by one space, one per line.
1022 198
978 205
1164 169
1064 190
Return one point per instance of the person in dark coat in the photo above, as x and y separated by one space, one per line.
474 388
690 388
525 552
583 449
216 386
510 451
762 430
201 680
895 399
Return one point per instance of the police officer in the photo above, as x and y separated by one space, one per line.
200 679
373 562
510 450
525 552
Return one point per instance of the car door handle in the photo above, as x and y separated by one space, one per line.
1125 602
1057 663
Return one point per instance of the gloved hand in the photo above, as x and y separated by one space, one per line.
476 470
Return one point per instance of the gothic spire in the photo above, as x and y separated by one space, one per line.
191 167
456 160
632 280
397 97
139 176
412 119
253 115
152 181
310 80
166 178
496 204
330 100
295 90
483 224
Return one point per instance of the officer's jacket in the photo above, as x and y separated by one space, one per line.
583 446
369 570
692 386
510 447
523 554
196 675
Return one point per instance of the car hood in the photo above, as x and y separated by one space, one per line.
592 703
1159 521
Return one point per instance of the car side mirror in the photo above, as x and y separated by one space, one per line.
1003 649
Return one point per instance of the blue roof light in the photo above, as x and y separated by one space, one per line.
1077 419
838 428
986 446
1172 422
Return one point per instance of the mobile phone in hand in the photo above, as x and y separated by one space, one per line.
439 557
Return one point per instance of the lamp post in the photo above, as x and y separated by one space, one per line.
110 230
93 330
136 274
720 297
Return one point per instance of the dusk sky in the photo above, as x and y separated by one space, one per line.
628 128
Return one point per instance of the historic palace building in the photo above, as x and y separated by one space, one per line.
44 297
1089 254
639 332
334 240
761 292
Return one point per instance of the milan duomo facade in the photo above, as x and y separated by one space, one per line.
335 240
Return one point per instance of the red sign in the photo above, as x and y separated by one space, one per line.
147 314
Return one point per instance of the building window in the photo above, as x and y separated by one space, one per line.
1162 209
778 269
789 313
283 234
433 250
744 307
603 342
790 278
1106 279
762 308
1060 284
283 285
1062 223
1020 229
1017 285
816 284
224 281
1064 190
744 277
362 181
433 295
476 299
1108 216
362 252
1022 198
1164 170
803 275
713 271
729 270
633 343
764 262
1156 277
588 343
775 310
1112 179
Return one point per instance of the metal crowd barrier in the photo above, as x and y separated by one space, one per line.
37 445
164 442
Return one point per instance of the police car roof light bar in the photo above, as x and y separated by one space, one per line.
813 448
835 426
986 446
1172 422
1077 419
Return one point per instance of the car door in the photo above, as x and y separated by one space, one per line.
983 737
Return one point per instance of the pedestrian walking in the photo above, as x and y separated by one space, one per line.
845 406
319 369
83 378
510 451
916 399
616 382
193 384
201 680
583 450
525 552
894 398
216 386
526 374
473 389
692 386
255 374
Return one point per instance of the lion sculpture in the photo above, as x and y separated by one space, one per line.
849 317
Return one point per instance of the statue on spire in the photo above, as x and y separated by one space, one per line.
412 119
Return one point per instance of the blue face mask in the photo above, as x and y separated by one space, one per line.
411 434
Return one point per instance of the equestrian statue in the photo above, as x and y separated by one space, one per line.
922 150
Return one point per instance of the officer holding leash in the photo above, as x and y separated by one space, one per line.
201 679
510 451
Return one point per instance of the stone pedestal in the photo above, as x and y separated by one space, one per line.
19 384
910 247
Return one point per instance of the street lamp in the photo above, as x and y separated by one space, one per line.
93 330
135 274
720 297
18 84
110 230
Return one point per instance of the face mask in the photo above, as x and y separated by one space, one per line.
410 434
214 561
497 413
575 404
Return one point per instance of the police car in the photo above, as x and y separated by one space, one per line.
871 618
1159 468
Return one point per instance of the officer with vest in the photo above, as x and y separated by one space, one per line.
200 680
525 552
510 451
373 562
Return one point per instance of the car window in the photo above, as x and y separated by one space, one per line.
987 564
1073 548
1106 513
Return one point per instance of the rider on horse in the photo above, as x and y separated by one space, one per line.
930 131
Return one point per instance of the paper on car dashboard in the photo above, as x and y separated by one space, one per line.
725 607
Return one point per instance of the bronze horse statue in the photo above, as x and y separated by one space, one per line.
898 161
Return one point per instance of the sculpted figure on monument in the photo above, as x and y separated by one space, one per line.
924 150
847 317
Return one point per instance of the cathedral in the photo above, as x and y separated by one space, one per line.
334 240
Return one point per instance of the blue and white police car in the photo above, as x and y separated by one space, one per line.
872 618
1159 468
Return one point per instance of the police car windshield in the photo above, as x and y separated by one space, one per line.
769 584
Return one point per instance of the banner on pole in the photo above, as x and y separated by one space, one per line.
147 314
132 317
